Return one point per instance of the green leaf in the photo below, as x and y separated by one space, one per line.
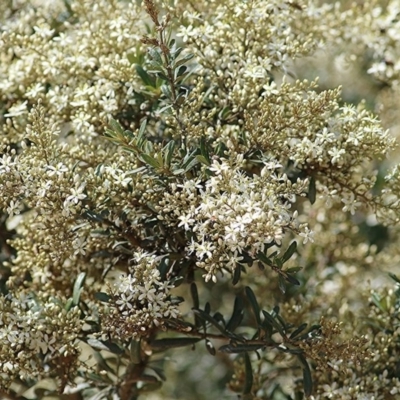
237 315
175 54
289 252
203 150
184 60
150 160
116 126
248 375
180 71
77 290
291 279
376 299
135 350
104 345
170 343
101 296
195 295
162 76
297 331
141 136
144 76
190 164
236 274
166 91
262 257
150 387
307 378
312 191
203 160
309 334
271 321
208 318
69 304
254 304
101 363
169 152
155 55
394 277
282 284
236 348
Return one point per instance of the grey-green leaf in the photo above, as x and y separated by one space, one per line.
77 290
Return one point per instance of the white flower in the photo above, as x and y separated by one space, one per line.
308 235
13 208
6 162
325 136
336 154
58 170
125 302
219 168
255 72
79 244
350 204
186 221
122 180
17 110
76 196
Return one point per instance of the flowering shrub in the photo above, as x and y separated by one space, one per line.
185 213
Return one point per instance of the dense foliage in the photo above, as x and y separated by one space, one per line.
186 212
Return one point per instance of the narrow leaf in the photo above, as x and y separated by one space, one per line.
307 378
204 151
282 283
254 304
77 290
297 331
291 279
155 55
104 345
208 318
289 252
170 343
394 277
203 160
183 60
116 126
195 295
101 296
248 375
150 160
312 191
239 348
69 304
263 258
236 274
271 320
169 152
237 315
144 76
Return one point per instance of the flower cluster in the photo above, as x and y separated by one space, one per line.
233 213
140 301
38 338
